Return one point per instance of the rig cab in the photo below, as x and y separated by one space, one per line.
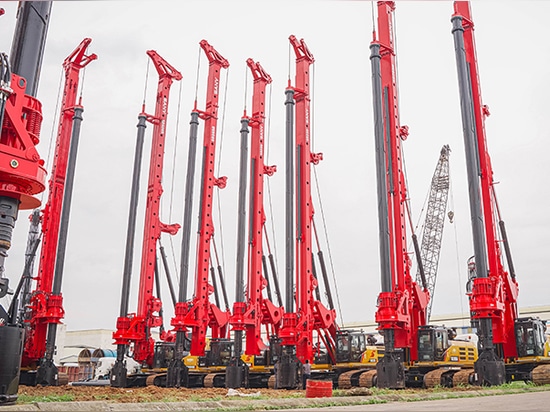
530 337
433 342
350 345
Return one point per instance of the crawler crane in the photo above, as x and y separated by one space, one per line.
511 348
415 354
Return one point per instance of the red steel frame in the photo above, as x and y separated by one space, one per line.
45 307
200 313
257 310
496 295
403 309
136 327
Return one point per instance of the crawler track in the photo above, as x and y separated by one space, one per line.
368 379
541 375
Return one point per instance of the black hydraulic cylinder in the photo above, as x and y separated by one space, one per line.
275 279
132 215
289 200
325 279
215 286
67 200
29 40
167 272
382 190
234 374
241 213
178 373
223 288
118 374
266 276
47 371
507 250
489 367
188 206
314 273
419 260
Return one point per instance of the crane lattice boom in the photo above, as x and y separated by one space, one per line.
433 225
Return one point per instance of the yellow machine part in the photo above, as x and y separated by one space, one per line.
372 355
459 353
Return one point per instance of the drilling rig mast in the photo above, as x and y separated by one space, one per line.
136 328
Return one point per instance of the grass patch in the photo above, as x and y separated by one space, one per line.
24 398
198 398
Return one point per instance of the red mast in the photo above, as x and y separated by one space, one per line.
47 307
493 298
310 315
200 313
402 304
137 327
257 310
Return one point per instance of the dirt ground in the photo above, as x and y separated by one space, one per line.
157 394
138 395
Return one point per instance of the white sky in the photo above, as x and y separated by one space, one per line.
514 57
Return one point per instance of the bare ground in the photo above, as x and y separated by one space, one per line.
139 395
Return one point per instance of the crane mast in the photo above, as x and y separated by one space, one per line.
46 301
402 303
493 299
136 327
199 313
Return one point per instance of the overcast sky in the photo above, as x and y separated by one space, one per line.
514 57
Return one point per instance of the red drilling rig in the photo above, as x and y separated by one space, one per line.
402 303
22 175
511 348
135 328
38 312
311 325
45 303
254 311
199 313
415 354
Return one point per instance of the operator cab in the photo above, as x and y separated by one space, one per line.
220 352
530 337
433 341
350 345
